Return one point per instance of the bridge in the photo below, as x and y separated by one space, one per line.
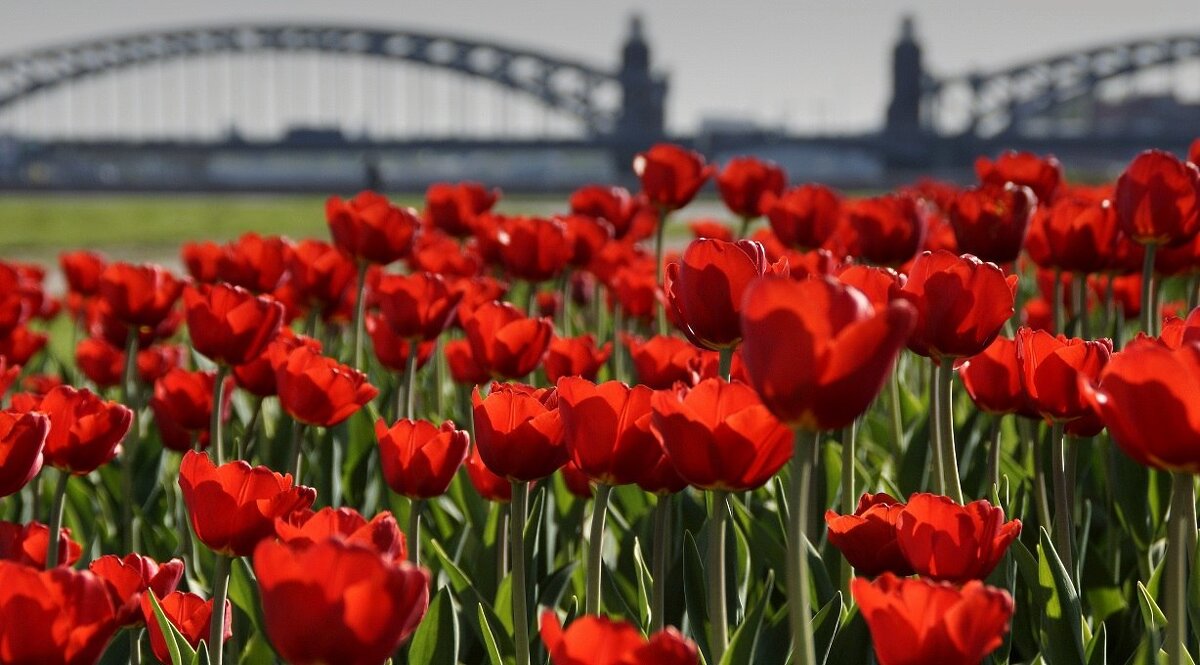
289 106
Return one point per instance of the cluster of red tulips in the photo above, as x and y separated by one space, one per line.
615 410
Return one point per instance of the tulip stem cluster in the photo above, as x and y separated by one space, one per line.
218 394
595 562
849 445
414 531
658 563
516 525
129 386
410 373
717 607
799 611
661 307
1149 302
360 316
56 518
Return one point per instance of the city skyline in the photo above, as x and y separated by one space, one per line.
751 61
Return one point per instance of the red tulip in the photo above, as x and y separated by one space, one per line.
868 537
719 436
1176 331
393 351
130 577
22 439
15 309
182 406
636 290
254 262
661 361
85 430
587 236
322 277
888 230
990 222
258 376
597 640
611 204
575 356
53 617
9 371
532 248
1146 397
417 306
381 533
475 291
993 380
418 458
82 270
805 216
519 431
504 341
438 253
337 602
840 349
21 344
464 369
1052 367
745 181
671 175
706 287
453 208
370 228
139 295
919 622
189 613
880 285
202 260
318 390
28 544
1043 175
607 429
230 325
489 485
711 229
1080 234
945 541
961 302
1158 199
234 506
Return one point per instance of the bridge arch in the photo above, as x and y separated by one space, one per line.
579 89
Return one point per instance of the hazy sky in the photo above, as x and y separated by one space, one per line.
810 64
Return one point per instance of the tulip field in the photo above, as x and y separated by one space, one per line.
943 425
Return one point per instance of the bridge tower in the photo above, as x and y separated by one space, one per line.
643 99
903 132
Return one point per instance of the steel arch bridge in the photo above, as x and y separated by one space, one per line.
574 87
998 102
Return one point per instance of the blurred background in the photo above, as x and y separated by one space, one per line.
143 122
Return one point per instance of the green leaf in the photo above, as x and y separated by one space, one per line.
436 639
257 651
201 655
177 645
644 583
489 638
825 624
745 639
694 592
243 591
1097 648
469 593
1062 619
1152 616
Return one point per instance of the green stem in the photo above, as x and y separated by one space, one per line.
516 525
130 446
1083 327
246 444
414 531
220 592
1057 305
564 312
800 612
56 518
662 531
1062 497
894 411
1025 429
744 232
595 561
945 384
994 451
658 269
502 541
717 610
725 363
1149 306
360 314
297 450
135 646
935 428
1179 549
214 422
618 355
410 373
849 495
439 378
